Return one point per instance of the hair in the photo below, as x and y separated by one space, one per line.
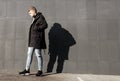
32 8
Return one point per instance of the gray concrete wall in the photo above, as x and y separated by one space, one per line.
94 24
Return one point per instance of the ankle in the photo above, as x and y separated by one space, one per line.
27 69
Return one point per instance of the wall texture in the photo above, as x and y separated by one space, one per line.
94 24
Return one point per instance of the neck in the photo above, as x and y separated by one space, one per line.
34 15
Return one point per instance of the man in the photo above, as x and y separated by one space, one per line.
36 40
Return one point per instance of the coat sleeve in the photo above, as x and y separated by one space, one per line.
41 24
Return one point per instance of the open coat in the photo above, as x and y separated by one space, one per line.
37 32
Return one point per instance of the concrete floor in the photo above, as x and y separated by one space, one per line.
59 77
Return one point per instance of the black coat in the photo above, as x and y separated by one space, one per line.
37 32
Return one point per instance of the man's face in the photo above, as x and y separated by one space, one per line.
32 13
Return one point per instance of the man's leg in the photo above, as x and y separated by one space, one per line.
29 57
39 58
40 61
28 62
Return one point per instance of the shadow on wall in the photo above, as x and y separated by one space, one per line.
60 41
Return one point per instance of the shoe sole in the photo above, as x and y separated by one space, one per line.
39 75
26 74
